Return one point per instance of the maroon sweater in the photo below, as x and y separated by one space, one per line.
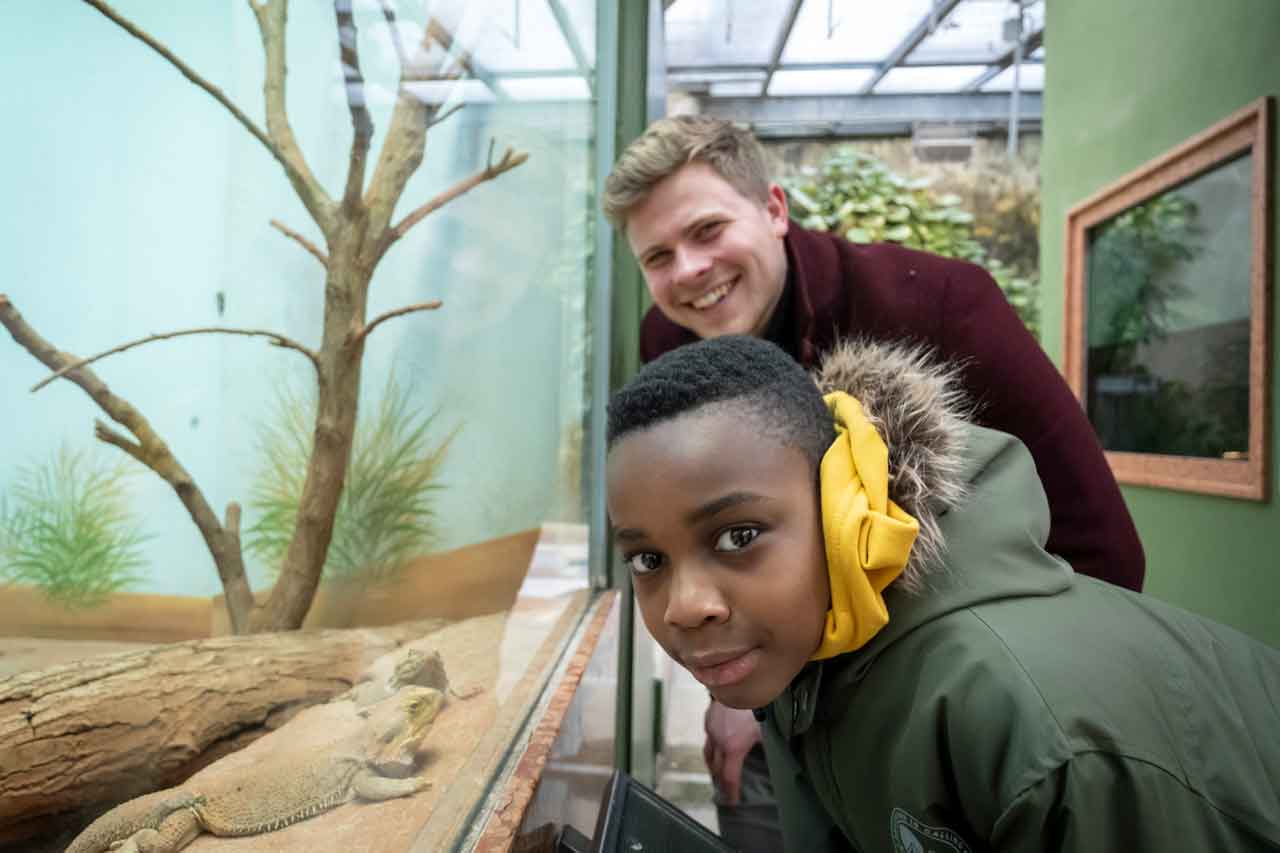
836 289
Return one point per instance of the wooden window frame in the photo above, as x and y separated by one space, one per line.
1247 131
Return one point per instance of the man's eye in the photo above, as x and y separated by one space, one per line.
644 563
706 232
656 260
736 538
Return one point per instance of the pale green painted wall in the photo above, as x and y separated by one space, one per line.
129 200
1124 83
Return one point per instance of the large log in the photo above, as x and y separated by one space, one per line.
78 738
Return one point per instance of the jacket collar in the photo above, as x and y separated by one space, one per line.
816 283
795 710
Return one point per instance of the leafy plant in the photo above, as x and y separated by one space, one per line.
387 512
1139 254
69 531
858 196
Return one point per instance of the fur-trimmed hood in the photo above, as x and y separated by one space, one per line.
983 514
917 405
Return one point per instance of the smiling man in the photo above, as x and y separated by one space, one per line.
711 234
711 255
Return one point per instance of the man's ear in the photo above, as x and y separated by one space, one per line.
776 206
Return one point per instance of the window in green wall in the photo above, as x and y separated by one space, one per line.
1167 296
1168 321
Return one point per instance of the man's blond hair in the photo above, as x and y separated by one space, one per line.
670 143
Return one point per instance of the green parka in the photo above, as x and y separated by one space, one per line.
1010 705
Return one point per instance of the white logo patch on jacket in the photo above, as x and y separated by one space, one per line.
911 836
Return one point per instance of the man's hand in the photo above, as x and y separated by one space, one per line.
730 735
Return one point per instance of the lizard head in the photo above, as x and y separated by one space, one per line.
421 669
400 725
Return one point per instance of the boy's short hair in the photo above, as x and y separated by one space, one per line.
754 376
670 143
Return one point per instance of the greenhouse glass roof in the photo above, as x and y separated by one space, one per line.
783 66
858 66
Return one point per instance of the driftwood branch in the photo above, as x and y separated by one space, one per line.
462 58
151 451
281 154
405 143
510 160
398 312
302 241
389 14
276 338
108 435
440 117
361 122
231 522
271 16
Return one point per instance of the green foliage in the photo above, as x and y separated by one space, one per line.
69 532
386 514
1137 255
859 197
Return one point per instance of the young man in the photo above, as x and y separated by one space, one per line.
710 231
931 677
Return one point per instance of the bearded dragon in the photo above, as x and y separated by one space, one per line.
280 790
414 667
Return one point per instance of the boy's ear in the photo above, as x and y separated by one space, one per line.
776 207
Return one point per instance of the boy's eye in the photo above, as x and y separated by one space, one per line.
736 538
644 563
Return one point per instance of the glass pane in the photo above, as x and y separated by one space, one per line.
1030 79
723 32
516 35
975 32
736 89
927 79
685 79
581 758
546 88
1168 285
851 30
818 82
718 83
432 320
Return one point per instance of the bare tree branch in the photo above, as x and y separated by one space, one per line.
441 34
281 155
276 339
303 241
406 139
271 16
361 122
390 15
231 527
105 433
510 159
440 117
151 451
398 312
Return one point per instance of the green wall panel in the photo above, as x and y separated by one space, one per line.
1124 83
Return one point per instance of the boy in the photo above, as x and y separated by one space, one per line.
929 676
